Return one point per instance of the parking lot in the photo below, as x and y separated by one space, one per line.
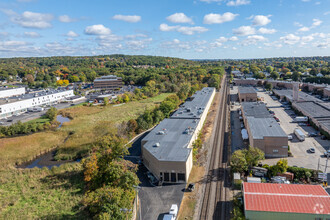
27 116
301 156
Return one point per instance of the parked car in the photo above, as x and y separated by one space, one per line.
276 119
191 187
313 134
10 120
326 153
311 150
302 124
323 137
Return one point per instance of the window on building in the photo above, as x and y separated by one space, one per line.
166 177
275 151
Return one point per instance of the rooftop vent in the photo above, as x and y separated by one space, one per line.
161 132
157 145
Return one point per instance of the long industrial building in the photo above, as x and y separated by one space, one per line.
263 130
316 110
274 201
13 105
167 149
9 92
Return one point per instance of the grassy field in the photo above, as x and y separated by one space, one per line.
56 193
88 124
42 193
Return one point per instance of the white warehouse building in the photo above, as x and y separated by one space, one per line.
9 92
13 105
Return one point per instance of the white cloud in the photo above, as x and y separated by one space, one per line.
179 18
304 29
66 19
254 39
72 34
31 34
183 29
12 43
30 19
218 18
261 20
238 2
305 0
138 44
191 30
127 18
290 39
209 1
326 13
97 29
233 38
165 27
266 31
316 22
307 38
244 30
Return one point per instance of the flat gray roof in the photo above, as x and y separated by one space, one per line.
29 96
255 109
245 89
265 127
195 105
314 109
168 141
288 93
4 88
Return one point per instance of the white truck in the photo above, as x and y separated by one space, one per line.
300 135
173 213
301 119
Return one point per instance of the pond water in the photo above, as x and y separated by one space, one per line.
61 119
47 159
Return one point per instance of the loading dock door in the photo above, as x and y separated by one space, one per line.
166 177
173 177
181 177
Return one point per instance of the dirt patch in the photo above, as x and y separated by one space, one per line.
209 122
190 198
188 204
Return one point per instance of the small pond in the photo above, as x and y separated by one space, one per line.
61 119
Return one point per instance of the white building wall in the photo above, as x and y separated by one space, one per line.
12 92
9 109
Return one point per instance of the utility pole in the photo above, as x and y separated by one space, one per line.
326 165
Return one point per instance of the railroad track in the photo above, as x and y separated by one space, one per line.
214 203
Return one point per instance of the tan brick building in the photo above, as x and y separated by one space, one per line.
247 94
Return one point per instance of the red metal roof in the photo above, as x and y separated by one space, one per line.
286 198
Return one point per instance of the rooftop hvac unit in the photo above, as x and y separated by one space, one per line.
161 132
157 145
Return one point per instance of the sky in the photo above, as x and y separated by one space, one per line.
191 29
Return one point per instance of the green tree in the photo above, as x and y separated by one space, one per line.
105 101
295 76
238 162
253 155
268 86
274 75
51 113
269 69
